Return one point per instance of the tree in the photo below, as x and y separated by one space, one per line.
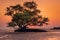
25 15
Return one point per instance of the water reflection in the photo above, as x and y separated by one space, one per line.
52 38
30 36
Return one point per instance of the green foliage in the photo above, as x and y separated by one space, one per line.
12 24
25 15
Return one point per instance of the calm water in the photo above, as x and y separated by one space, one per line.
30 36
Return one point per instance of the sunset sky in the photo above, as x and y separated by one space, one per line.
49 8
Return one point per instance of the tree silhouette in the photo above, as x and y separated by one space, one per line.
25 15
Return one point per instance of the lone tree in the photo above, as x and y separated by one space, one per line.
25 15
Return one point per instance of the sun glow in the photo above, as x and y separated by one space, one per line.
50 9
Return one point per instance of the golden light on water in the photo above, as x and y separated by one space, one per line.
52 38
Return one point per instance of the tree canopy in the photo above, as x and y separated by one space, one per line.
25 15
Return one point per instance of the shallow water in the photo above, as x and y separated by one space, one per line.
30 36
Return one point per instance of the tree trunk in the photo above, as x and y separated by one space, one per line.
22 27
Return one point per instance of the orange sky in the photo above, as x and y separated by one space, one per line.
49 8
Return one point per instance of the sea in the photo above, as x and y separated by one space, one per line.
51 35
